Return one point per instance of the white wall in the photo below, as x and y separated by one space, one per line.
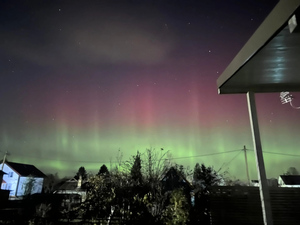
37 185
11 179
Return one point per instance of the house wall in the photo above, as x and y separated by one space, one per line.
11 179
36 188
280 182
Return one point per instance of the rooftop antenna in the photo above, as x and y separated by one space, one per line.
4 158
286 97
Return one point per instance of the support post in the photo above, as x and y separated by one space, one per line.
262 179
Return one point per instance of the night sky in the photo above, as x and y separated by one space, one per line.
81 80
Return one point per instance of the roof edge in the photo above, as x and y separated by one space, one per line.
272 24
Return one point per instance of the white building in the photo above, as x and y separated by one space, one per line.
289 181
21 179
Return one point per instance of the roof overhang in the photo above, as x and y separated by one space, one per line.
270 60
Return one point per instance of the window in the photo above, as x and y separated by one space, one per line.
10 174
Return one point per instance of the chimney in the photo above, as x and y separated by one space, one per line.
79 183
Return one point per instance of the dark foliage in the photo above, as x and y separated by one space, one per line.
203 179
103 171
136 170
81 172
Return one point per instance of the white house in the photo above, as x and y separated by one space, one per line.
21 178
289 181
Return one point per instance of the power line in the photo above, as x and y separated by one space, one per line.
210 154
88 161
226 164
183 157
279 153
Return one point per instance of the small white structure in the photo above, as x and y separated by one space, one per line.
271 183
289 181
21 179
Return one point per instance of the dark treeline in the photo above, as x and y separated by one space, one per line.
146 189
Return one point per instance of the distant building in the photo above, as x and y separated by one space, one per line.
289 181
73 192
21 179
271 183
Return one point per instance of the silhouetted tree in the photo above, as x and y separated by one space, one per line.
292 171
50 181
155 164
136 170
103 170
203 179
81 172
177 211
99 199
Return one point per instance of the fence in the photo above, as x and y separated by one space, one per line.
241 205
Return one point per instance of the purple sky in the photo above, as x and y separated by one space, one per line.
79 81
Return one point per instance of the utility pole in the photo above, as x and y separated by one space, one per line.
246 161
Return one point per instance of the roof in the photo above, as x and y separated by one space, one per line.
69 185
25 170
291 179
269 61
72 184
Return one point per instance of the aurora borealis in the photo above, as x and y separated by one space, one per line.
79 81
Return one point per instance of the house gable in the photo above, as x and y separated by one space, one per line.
18 176
26 170
10 179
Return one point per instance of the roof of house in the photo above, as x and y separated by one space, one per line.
268 62
71 184
291 179
25 170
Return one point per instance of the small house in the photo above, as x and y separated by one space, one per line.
289 181
73 192
21 179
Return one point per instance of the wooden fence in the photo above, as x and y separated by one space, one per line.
241 205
